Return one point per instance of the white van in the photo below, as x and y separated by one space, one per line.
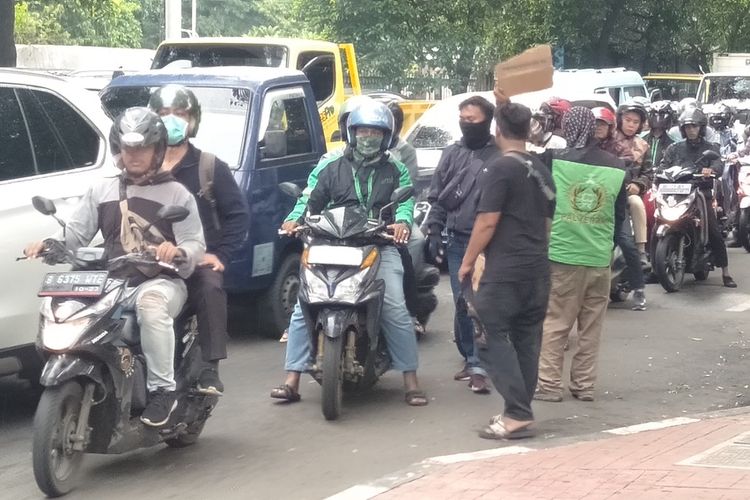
621 84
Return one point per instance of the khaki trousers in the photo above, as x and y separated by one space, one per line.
638 216
581 294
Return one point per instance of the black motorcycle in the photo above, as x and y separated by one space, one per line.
95 374
681 224
341 297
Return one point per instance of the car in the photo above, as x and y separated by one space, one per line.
264 123
438 126
54 143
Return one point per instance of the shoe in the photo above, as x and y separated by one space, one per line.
478 384
284 337
548 397
462 376
728 282
583 396
209 382
639 300
161 404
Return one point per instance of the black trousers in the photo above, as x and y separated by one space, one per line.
513 316
715 239
206 296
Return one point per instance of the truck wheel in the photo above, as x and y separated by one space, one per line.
56 464
277 303
333 377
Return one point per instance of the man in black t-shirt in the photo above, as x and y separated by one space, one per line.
515 211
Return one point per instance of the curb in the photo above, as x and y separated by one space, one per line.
421 469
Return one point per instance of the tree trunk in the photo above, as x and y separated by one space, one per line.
7 43
601 55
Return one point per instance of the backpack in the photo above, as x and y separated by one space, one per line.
206 168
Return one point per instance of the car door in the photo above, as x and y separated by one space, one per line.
286 149
47 148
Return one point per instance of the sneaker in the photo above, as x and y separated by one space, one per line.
161 404
639 300
583 396
462 376
209 383
549 397
284 337
478 384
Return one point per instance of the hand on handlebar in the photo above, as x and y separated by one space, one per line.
34 250
289 227
167 252
707 172
400 233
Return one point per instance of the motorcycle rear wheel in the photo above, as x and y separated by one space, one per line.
743 230
333 377
56 464
665 263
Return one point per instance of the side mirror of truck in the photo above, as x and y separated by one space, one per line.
273 144
290 189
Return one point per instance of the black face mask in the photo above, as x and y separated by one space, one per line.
475 135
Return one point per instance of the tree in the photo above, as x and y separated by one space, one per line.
7 45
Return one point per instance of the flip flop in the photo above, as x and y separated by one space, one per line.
416 398
285 392
497 430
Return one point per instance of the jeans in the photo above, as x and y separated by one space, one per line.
513 316
634 271
463 329
395 321
156 303
209 300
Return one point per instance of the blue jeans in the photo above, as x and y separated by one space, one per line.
634 271
394 320
463 329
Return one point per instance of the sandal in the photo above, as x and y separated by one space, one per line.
416 398
285 392
497 430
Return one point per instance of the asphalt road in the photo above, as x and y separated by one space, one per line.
686 354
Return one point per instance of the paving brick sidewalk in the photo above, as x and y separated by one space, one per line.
637 466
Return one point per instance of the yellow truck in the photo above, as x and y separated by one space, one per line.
330 67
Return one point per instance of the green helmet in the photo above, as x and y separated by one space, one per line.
179 97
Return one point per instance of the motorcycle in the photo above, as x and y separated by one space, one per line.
743 194
95 375
427 276
681 228
341 299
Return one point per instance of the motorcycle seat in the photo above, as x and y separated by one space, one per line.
131 333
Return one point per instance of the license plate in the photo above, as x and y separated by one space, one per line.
334 256
675 188
73 284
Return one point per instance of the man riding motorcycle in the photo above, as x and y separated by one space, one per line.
692 125
121 207
363 174
660 118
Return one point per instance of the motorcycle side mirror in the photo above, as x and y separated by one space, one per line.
290 189
172 213
402 194
46 206
710 155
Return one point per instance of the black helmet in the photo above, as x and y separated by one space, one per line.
138 127
692 116
177 96
661 115
719 115
631 107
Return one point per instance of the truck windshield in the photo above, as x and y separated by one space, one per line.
199 56
717 88
224 113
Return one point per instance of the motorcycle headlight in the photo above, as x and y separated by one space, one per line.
60 336
102 305
346 290
675 212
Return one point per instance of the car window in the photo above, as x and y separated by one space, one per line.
633 91
263 55
320 69
16 159
285 125
62 139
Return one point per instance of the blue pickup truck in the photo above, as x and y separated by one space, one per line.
264 123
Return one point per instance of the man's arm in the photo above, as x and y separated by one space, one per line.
438 214
405 210
188 235
298 212
484 228
233 212
717 165
83 225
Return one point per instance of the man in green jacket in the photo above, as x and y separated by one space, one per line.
362 175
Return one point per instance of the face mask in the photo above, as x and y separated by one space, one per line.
368 147
176 129
475 135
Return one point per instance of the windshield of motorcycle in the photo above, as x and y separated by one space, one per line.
676 173
340 223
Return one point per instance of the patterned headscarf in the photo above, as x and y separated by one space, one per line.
578 126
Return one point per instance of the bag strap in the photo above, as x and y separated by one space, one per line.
548 192
206 168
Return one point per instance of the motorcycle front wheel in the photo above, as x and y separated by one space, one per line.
743 230
333 377
667 267
56 463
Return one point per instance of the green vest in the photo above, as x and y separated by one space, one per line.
584 223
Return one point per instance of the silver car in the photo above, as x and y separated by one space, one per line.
53 143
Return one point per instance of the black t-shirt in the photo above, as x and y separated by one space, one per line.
518 249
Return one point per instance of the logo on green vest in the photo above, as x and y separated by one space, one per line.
587 199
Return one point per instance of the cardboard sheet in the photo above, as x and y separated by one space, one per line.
527 72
